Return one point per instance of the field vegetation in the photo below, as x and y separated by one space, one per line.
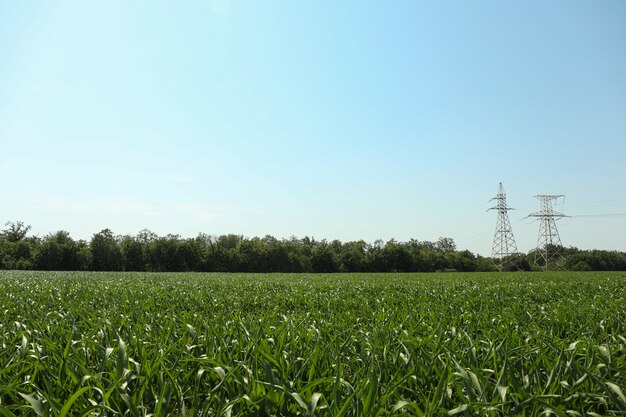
139 344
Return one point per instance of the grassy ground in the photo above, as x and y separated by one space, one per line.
348 344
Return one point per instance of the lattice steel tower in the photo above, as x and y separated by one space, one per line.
503 240
548 253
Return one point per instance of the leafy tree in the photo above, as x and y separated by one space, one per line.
277 257
189 253
353 257
252 256
516 262
323 259
132 254
58 252
105 252
222 253
397 257
446 245
464 261
375 261
84 256
162 254
16 255
581 266
15 231
486 265
16 250
146 236
232 253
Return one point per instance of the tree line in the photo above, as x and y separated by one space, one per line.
147 251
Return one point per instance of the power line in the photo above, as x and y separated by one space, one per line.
600 215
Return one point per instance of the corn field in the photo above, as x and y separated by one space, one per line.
140 344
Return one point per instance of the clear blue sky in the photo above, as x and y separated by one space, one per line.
334 119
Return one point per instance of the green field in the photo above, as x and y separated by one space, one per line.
534 344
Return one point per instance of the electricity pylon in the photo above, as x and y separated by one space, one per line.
503 240
548 253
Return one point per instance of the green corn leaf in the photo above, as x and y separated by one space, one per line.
39 406
72 400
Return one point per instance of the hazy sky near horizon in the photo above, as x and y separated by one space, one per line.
339 120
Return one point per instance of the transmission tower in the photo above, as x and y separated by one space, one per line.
548 253
503 240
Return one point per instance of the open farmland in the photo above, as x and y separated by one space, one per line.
329 345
